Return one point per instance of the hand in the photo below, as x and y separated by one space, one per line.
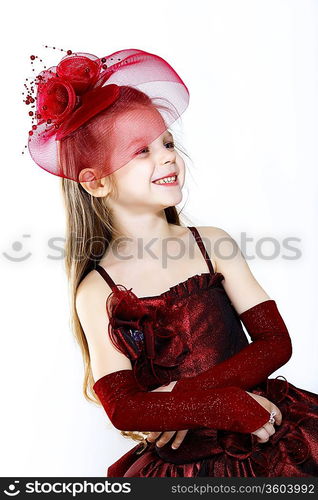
167 435
263 433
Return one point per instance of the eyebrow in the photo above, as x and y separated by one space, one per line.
169 134
138 139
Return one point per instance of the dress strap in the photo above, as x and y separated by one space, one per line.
106 276
199 241
204 252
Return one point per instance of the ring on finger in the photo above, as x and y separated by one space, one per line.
271 419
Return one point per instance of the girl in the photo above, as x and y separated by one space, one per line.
157 311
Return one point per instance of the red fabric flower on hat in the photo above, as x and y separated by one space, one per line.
61 91
56 99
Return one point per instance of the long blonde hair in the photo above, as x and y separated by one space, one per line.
89 225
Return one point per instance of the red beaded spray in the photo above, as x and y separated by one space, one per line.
31 94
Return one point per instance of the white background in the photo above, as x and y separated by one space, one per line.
251 131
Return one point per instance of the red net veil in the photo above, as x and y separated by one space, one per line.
86 99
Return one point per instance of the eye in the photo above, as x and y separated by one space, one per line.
142 150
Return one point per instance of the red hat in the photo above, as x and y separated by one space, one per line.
132 83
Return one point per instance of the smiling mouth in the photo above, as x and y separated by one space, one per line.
172 179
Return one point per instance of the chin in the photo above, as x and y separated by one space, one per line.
170 201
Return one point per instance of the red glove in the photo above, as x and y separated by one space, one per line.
270 349
130 408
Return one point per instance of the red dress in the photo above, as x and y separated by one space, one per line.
191 327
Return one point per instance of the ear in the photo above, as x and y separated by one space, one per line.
95 187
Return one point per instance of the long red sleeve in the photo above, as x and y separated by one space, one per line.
270 349
130 408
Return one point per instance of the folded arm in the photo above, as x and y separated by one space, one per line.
131 409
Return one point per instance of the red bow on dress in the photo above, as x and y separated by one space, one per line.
142 332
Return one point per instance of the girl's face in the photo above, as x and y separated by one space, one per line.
150 162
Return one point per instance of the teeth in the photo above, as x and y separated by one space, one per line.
166 180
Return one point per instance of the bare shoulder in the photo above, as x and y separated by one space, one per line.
240 284
213 232
90 301
92 289
218 243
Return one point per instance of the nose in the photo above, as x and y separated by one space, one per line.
167 156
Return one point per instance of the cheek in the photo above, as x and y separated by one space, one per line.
182 171
134 181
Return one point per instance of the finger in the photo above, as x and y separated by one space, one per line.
178 439
278 414
270 428
278 417
262 435
153 436
166 436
